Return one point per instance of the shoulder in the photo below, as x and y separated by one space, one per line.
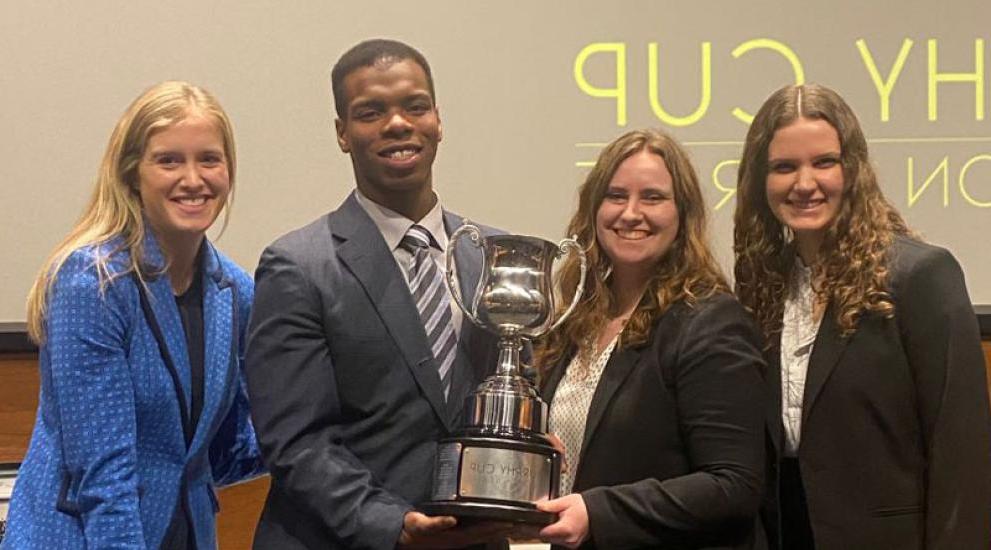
913 262
720 307
711 318
88 266
236 276
454 220
304 238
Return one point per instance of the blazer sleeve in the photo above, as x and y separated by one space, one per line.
942 342
295 407
720 407
87 334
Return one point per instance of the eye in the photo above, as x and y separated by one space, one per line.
419 107
168 160
212 159
826 162
615 195
365 114
654 197
782 167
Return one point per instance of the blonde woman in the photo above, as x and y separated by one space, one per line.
654 382
879 423
140 323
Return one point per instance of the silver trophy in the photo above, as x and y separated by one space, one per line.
501 461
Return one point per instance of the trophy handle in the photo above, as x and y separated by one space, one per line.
563 247
452 278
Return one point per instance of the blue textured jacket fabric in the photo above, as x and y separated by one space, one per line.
108 460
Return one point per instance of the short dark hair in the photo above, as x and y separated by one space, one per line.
367 54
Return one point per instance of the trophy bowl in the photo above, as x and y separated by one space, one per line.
501 461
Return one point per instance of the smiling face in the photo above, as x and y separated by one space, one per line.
184 180
805 180
391 130
638 220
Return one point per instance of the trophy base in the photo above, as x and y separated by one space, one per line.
488 511
484 476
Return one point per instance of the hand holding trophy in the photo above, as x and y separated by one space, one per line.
501 461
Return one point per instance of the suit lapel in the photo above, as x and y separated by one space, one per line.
467 267
220 346
617 370
163 319
366 255
826 352
773 381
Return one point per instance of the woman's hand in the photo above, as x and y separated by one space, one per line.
571 527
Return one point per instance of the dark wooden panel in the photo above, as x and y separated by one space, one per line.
240 506
18 404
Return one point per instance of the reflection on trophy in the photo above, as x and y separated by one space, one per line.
501 461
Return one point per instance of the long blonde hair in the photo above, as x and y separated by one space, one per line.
852 268
687 272
115 210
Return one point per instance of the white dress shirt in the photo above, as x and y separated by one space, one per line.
798 334
569 409
393 227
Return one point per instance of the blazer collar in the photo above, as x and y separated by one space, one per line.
219 320
773 381
826 352
362 249
617 370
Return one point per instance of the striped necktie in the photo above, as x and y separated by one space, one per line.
426 284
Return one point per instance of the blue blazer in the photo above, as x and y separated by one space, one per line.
108 460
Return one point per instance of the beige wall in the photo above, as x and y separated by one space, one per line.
517 123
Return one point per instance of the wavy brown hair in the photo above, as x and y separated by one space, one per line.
687 272
852 268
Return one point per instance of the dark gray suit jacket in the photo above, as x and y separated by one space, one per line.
344 388
673 453
895 447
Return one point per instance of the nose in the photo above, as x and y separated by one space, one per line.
397 124
192 175
631 213
805 180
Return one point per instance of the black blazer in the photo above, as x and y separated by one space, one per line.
895 448
345 395
673 454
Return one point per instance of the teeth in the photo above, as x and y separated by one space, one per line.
633 234
192 201
402 154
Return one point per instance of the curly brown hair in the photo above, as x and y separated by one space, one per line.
687 272
851 270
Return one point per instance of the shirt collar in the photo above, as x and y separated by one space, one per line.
393 225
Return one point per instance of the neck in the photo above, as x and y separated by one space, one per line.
808 248
180 256
628 289
413 204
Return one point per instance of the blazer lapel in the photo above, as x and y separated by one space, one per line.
618 368
365 254
468 267
220 344
773 381
165 315
826 352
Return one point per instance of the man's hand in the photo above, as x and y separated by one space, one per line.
571 527
422 531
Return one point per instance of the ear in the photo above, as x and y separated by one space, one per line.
342 140
440 127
